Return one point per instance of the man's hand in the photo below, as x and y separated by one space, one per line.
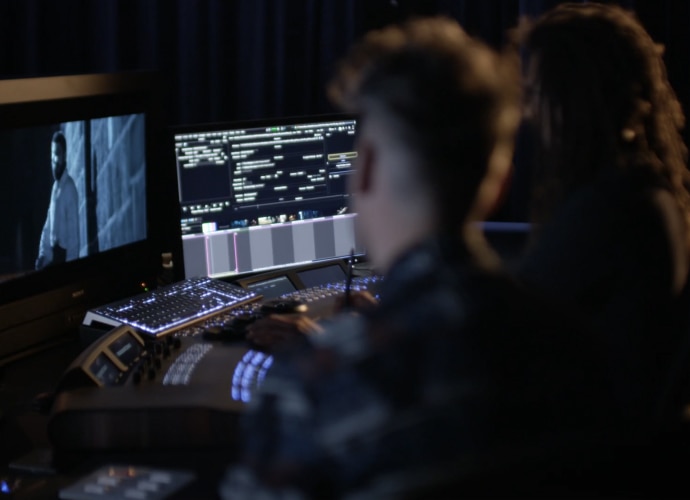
276 329
358 301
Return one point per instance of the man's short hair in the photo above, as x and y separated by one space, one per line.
454 101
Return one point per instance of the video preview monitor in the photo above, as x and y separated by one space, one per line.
82 217
79 188
263 195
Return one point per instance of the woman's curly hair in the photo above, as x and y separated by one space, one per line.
602 81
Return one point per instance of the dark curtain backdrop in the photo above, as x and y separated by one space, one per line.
234 59
223 60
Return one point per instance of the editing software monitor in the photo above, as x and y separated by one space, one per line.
263 195
79 204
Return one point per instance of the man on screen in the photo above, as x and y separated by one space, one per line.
60 235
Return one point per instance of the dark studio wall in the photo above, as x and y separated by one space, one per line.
222 60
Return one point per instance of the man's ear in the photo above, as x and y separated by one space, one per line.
366 161
504 184
491 194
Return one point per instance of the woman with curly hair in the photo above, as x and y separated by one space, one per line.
610 203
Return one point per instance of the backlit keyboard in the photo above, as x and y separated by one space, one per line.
174 306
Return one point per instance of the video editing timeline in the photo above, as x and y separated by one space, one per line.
226 253
256 197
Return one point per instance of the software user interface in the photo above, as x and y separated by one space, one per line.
255 198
